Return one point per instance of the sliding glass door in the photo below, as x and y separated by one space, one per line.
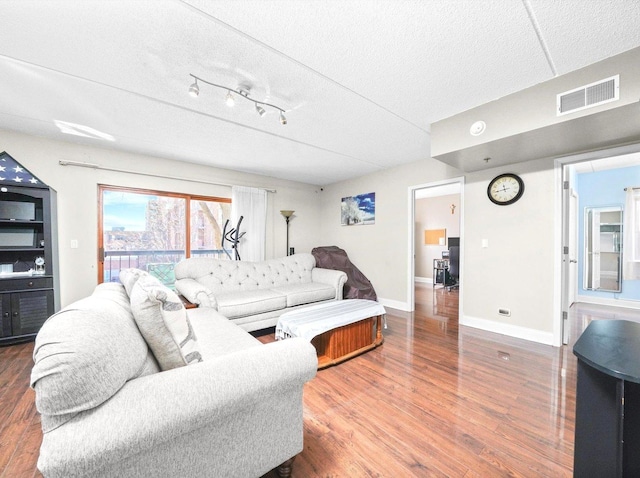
148 230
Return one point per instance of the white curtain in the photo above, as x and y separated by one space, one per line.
631 236
251 204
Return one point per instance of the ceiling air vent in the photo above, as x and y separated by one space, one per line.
589 96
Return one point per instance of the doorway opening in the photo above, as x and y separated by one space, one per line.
593 186
435 225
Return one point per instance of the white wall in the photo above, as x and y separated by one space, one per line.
434 213
516 270
380 250
77 193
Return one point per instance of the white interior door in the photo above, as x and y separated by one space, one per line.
573 247
595 254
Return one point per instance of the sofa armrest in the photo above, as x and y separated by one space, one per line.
332 277
196 293
164 407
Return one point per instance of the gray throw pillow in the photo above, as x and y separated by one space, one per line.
162 320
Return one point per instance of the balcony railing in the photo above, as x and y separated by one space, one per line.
158 263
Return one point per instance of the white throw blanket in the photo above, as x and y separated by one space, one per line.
314 320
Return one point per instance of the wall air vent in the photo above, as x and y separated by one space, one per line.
588 96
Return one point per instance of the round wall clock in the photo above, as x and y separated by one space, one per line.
505 189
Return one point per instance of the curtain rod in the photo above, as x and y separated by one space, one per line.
632 188
80 164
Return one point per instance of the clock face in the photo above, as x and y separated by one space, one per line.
505 189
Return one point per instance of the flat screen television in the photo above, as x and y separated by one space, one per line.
17 210
18 237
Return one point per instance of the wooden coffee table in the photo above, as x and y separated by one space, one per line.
338 330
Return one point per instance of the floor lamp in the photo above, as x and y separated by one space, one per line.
287 216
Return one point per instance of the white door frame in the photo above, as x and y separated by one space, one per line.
561 218
412 222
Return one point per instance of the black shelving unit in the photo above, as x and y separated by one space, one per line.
28 252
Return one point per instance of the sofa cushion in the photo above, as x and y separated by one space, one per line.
299 294
217 335
85 353
162 320
241 303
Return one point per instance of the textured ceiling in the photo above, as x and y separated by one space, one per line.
361 81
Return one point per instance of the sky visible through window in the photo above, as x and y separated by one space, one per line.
125 210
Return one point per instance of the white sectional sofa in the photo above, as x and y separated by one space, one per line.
254 294
130 384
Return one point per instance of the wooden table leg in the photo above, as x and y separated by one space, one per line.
284 470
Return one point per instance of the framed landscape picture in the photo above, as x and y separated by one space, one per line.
358 210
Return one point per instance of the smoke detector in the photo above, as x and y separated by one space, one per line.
477 128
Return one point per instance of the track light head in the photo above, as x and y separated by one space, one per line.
260 110
283 120
230 100
194 90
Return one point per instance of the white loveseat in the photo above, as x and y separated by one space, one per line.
232 409
254 294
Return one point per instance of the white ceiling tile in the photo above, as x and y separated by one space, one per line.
579 33
401 54
361 80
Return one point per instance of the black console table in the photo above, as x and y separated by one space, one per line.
607 435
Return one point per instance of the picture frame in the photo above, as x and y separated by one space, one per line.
358 210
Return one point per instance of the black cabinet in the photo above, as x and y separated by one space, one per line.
28 268
23 313
607 430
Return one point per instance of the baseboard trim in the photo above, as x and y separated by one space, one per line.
423 280
395 304
518 332
627 304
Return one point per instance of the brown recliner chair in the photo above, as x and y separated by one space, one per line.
357 285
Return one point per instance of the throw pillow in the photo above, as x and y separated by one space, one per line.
162 320
128 278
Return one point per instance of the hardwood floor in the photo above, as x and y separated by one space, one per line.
20 432
434 400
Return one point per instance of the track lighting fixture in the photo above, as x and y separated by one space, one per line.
243 92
